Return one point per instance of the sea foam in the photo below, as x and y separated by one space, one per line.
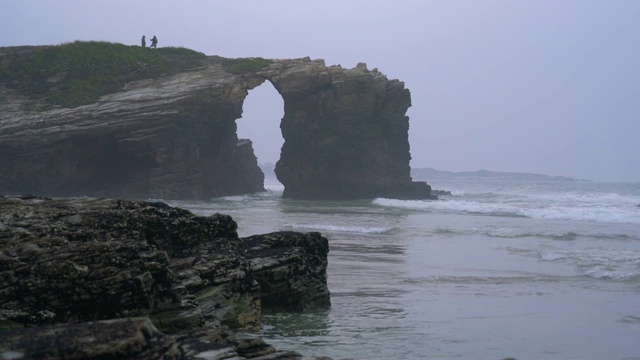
236 198
598 263
610 208
338 228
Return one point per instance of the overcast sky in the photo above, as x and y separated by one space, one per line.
542 86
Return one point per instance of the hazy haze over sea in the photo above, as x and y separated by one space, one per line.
529 269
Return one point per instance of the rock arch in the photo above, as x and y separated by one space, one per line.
345 136
262 113
345 133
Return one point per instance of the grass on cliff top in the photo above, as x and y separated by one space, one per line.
245 65
78 73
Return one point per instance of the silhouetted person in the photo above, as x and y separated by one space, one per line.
144 42
154 42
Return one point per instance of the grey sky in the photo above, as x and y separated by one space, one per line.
549 87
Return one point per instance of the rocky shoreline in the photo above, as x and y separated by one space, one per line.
106 278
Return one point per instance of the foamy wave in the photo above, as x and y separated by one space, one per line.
599 263
237 198
551 208
338 228
515 233
593 213
605 272
450 205
272 184
274 187
592 198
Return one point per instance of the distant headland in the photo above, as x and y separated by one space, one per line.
430 173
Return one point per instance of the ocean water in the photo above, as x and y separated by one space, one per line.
502 268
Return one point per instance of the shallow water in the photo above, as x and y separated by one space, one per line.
547 270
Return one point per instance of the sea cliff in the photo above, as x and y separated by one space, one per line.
102 119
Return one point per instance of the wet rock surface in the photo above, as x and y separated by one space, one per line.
132 338
291 269
79 260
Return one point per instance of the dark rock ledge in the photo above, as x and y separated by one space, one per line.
103 278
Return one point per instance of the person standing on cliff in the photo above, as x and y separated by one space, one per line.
154 42
144 42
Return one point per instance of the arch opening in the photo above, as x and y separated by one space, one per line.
262 112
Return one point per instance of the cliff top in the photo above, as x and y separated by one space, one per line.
78 73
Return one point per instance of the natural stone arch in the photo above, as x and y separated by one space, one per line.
174 137
262 112
345 133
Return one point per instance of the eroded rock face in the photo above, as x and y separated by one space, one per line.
172 137
345 136
92 259
78 260
291 270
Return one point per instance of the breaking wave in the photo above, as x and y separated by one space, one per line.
338 228
598 207
599 263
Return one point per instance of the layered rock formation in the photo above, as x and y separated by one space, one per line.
291 269
79 260
133 338
171 137
345 136
345 132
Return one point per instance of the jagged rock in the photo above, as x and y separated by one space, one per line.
134 338
291 270
86 259
345 136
